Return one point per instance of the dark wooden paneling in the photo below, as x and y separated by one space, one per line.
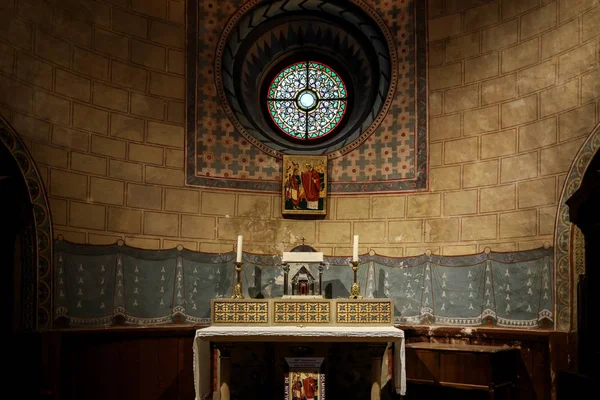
157 363
542 355
128 363
423 365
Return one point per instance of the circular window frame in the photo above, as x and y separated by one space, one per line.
307 111
298 56
355 13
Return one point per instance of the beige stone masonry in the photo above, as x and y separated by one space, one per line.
479 228
144 243
97 92
202 227
461 47
124 220
111 43
161 224
498 144
537 77
88 163
68 184
50 155
483 173
576 123
519 111
107 191
519 167
444 178
388 206
445 127
90 64
558 40
144 196
146 154
538 20
33 70
499 36
147 106
482 16
187 201
499 198
69 138
90 119
539 192
405 231
371 232
353 208
32 128
126 127
83 215
538 134
435 154
460 151
125 170
518 224
481 120
442 230
499 89
59 211
424 205
460 202
334 232
218 204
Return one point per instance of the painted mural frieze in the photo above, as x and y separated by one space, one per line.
108 285
236 52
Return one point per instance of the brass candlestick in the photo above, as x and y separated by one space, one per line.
355 290
237 288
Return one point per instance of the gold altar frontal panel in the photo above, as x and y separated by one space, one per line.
240 312
280 312
364 312
294 312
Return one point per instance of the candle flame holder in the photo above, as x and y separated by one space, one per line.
355 290
237 288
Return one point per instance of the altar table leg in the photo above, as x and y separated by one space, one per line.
376 358
224 372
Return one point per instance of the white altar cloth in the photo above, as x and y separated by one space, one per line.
232 334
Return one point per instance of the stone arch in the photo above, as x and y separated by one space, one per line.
37 287
566 236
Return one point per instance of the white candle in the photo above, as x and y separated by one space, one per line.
239 249
355 249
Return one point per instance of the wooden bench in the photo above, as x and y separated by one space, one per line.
463 366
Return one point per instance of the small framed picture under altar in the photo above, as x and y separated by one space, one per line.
304 378
304 187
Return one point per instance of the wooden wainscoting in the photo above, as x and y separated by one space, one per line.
543 353
121 363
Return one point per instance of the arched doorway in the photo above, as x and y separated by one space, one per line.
16 234
26 255
584 211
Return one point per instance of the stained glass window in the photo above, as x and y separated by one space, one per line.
307 100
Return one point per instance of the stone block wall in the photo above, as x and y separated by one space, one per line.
96 90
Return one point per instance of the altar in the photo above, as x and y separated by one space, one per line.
339 318
305 337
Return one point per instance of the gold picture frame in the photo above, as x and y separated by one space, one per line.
304 185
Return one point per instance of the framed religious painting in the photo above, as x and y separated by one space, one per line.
304 379
304 188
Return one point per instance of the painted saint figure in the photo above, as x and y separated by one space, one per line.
311 183
292 185
297 389
310 387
